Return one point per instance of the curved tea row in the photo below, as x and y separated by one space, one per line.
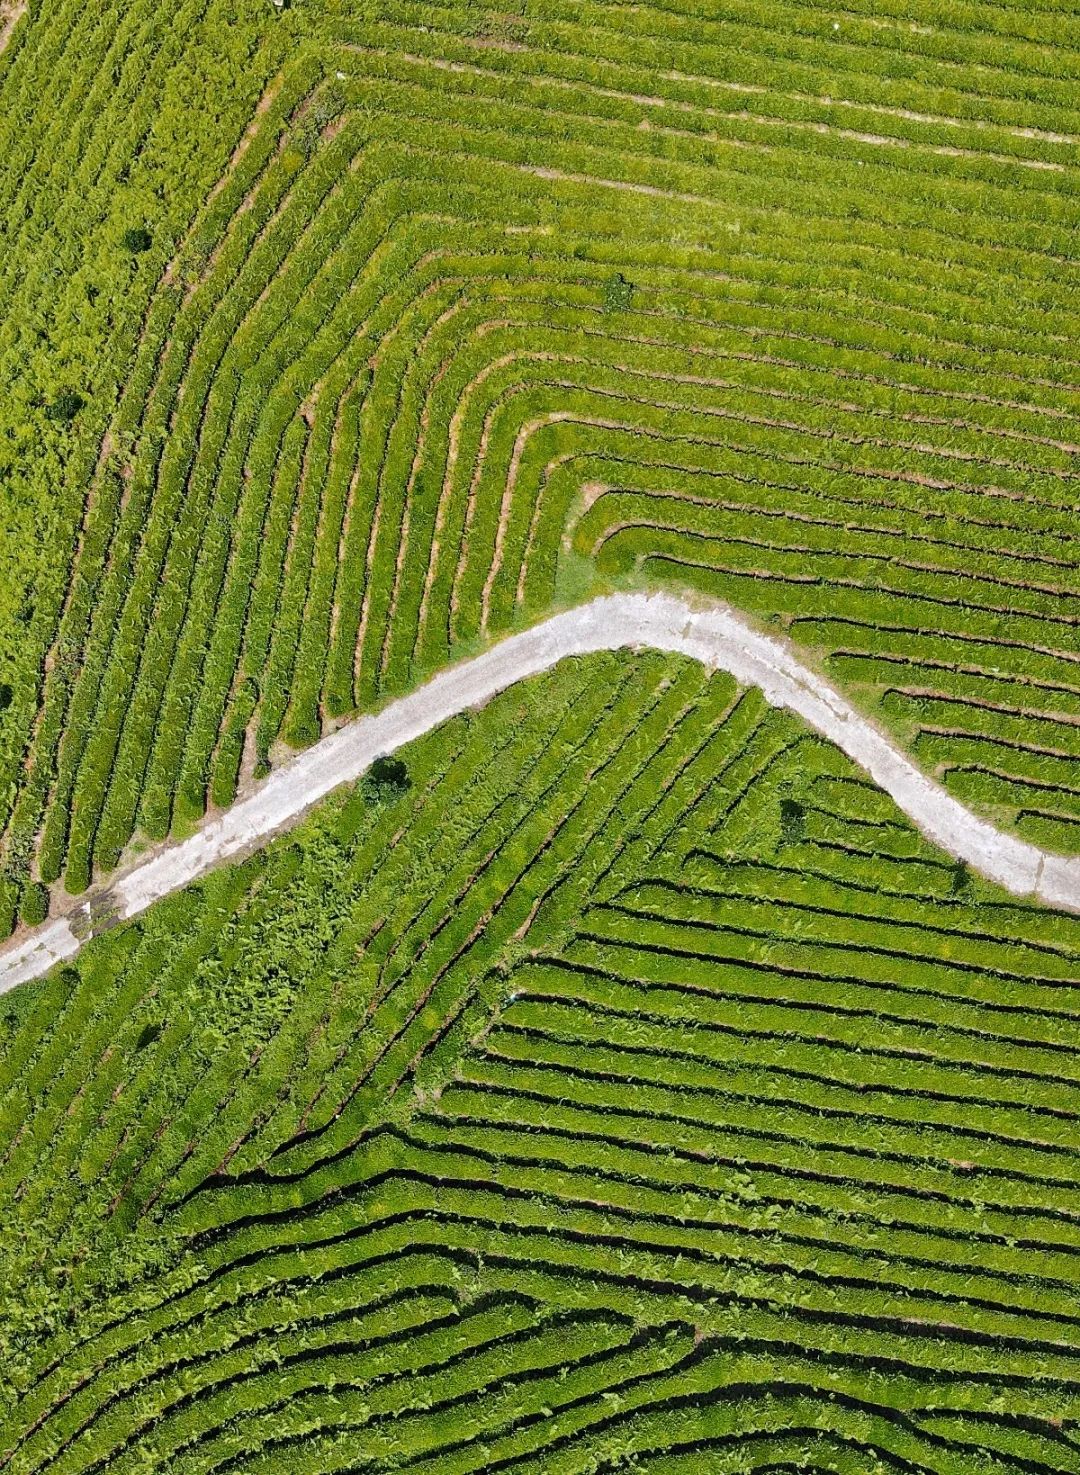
637 1083
482 314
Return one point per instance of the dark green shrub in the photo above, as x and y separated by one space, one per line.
137 239
618 293
6 694
148 1035
792 821
65 406
390 773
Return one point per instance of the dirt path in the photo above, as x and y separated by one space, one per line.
712 634
11 12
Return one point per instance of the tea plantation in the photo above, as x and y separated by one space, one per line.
669 1106
484 310
614 1080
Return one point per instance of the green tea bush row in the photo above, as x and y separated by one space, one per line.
291 187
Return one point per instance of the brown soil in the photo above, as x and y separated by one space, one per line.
11 12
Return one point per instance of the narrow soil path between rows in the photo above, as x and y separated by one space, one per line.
11 13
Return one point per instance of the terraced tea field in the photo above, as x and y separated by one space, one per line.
618 1079
698 1114
484 311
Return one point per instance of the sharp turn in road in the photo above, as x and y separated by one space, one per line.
716 636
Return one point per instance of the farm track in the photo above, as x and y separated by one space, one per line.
718 638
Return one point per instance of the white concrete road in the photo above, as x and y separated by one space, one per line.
714 635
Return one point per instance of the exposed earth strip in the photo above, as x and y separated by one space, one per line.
714 635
